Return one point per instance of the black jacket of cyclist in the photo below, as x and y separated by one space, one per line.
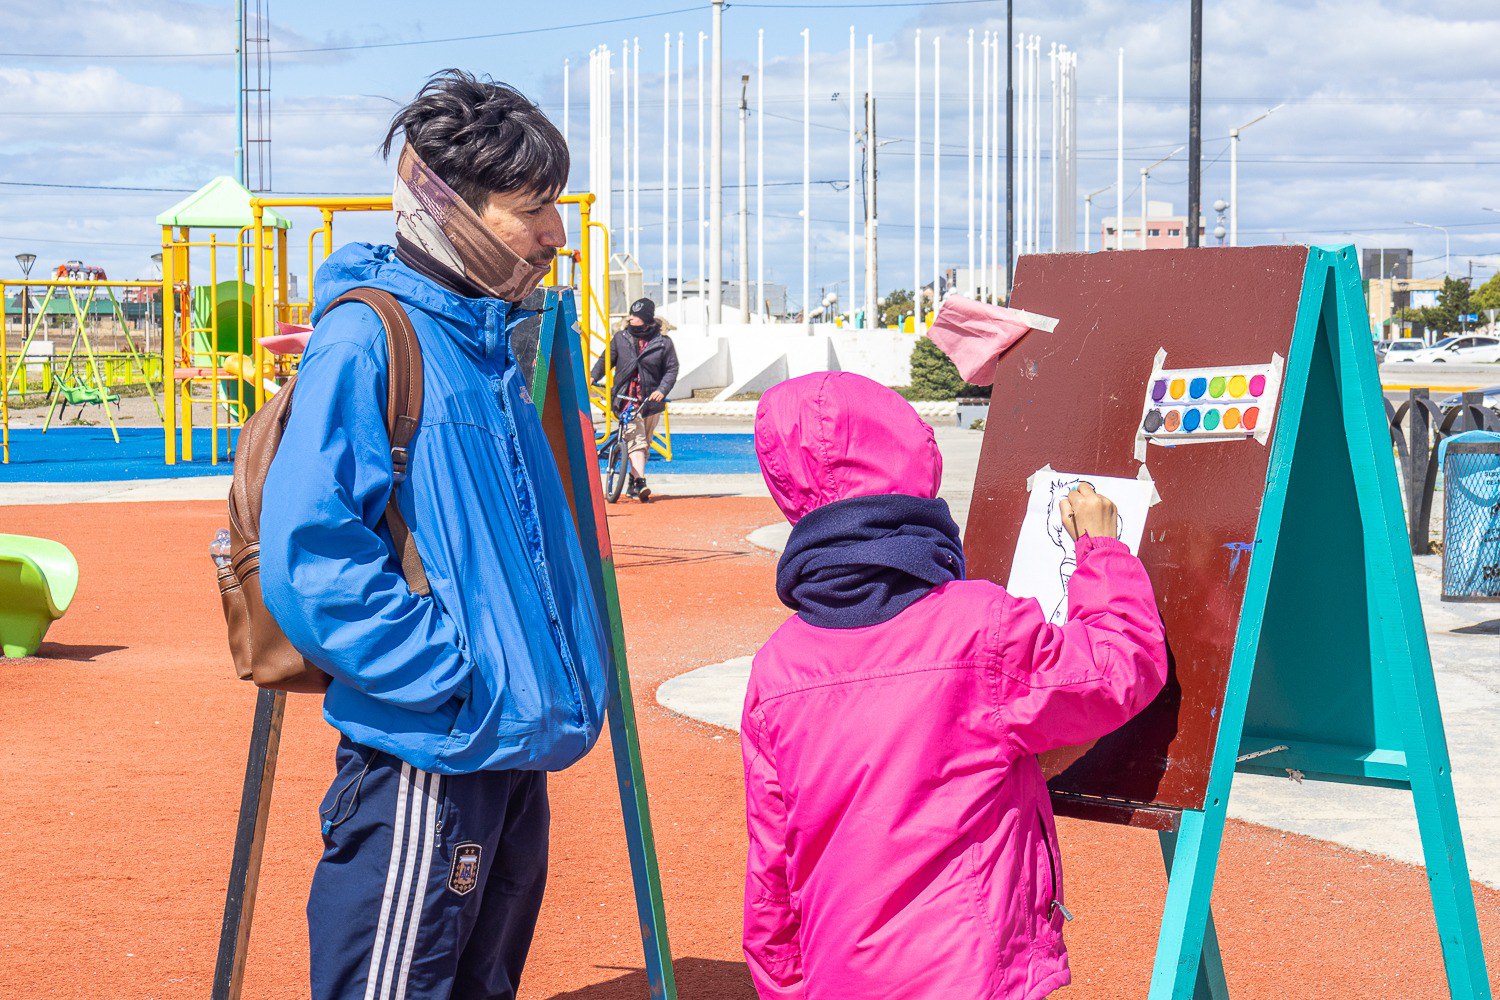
644 359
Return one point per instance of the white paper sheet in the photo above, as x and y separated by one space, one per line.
1044 553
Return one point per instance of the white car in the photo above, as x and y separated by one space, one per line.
1461 350
1397 350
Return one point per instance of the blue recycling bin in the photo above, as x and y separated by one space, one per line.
1471 516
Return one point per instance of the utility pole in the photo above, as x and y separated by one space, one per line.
1195 121
744 203
716 174
1234 175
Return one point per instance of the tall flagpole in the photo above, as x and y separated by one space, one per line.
625 147
716 173
982 285
760 174
702 214
872 217
1120 153
635 151
565 115
970 160
806 175
937 167
666 158
681 53
849 295
1010 152
916 187
1056 110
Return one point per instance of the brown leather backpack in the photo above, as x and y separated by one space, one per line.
262 653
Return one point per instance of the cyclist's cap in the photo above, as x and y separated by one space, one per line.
644 308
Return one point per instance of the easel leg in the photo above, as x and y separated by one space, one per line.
249 839
1185 921
1442 841
1210 983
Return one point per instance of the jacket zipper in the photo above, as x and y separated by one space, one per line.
538 568
1057 904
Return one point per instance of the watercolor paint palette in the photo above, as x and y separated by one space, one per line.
1223 403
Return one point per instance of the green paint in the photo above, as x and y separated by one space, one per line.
1216 386
1331 658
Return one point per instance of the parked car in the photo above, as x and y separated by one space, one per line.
1395 350
1464 350
1491 400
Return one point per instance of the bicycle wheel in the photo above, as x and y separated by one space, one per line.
616 470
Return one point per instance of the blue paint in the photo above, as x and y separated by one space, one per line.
1197 387
1239 549
1191 419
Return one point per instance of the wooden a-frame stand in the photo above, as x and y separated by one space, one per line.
1295 705
560 392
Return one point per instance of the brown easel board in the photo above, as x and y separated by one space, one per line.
1073 399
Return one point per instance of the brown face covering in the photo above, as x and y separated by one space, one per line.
431 217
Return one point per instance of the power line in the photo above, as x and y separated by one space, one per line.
360 46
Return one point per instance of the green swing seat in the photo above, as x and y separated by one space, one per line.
37 580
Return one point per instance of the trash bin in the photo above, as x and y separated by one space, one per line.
1471 516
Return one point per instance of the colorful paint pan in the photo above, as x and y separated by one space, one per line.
1191 419
1197 387
1251 418
1153 422
1217 385
1173 421
1159 390
1231 418
1257 385
1211 420
1177 388
1238 384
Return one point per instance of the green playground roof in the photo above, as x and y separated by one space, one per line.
222 203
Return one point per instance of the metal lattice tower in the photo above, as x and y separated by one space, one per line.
255 94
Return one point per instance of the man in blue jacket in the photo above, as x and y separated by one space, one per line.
454 705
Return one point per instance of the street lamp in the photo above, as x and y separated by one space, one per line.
1234 176
25 260
1446 242
1088 207
1146 172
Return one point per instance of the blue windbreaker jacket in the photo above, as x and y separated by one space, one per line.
503 666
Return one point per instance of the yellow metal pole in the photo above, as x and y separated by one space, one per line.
4 380
259 298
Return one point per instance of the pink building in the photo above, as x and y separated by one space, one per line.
1165 230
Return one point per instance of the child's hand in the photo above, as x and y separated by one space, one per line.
1085 512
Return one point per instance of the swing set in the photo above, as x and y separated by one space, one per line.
79 378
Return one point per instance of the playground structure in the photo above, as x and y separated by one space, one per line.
75 379
240 315
227 286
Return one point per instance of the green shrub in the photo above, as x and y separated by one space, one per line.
933 376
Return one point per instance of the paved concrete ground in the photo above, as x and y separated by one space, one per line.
1465 643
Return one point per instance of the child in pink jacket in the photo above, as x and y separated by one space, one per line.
901 838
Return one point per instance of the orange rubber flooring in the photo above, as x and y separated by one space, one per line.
122 751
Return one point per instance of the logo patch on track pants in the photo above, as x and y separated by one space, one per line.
464 875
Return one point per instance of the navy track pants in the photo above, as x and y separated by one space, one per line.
429 885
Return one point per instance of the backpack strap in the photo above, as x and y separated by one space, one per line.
403 414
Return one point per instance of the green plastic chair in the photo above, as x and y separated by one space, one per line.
37 580
75 393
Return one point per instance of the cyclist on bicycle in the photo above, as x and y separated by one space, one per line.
645 363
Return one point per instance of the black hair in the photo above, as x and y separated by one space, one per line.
482 138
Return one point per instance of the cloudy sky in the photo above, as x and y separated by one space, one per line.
114 110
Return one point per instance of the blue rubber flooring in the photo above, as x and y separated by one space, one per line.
89 454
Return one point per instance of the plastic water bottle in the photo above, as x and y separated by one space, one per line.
219 548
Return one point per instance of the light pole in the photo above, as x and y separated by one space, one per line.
1088 212
1234 176
25 260
744 233
1446 243
1145 173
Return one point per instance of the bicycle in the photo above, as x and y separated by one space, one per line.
614 455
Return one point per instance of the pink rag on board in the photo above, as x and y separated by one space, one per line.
290 338
974 335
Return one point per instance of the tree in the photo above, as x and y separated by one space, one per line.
897 305
933 376
1486 296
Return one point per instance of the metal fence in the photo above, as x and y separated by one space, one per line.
37 375
1418 428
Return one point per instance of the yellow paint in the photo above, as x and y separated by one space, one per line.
1178 388
1238 386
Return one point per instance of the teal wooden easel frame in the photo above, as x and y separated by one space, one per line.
1365 712
560 356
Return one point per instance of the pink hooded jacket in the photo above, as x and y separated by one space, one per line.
901 837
